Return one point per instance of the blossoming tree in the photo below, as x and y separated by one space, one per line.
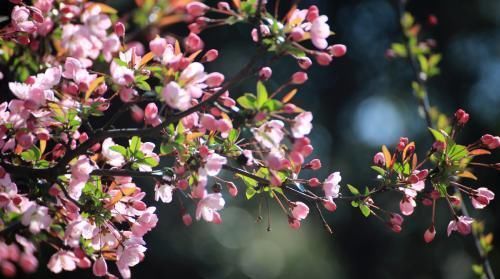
71 184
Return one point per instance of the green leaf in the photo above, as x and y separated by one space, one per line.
354 203
272 105
378 169
247 101
120 149
32 154
143 85
150 161
438 136
249 182
135 144
457 152
261 94
166 148
399 49
365 210
353 189
250 192
233 135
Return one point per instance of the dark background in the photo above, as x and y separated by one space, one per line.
360 102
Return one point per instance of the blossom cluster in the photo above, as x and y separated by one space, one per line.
72 185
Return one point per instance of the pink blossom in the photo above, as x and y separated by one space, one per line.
20 16
407 205
145 223
151 116
147 148
482 198
129 254
78 229
62 260
192 79
320 30
214 163
302 124
28 262
158 46
331 185
112 157
163 192
270 134
176 97
36 217
293 223
300 210
80 173
462 225
208 206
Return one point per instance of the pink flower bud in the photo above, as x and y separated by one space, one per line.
187 219
299 78
314 182
396 219
28 263
289 108
426 202
307 150
217 218
275 180
324 59
196 9
312 13
139 205
158 46
300 210
337 50
120 29
127 94
432 20
330 205
37 15
296 158
379 159
100 267
183 184
402 143
150 112
210 55
439 146
137 113
265 73
232 189
455 200
193 42
304 62
204 151
214 79
413 179
84 263
490 141
297 34
223 6
461 117
293 223
8 269
429 234
315 164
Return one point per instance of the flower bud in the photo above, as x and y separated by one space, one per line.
265 73
232 189
187 219
461 117
158 46
299 78
315 164
120 29
379 159
210 55
100 267
330 205
324 59
214 79
429 234
223 6
337 50
313 182
196 9
304 62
